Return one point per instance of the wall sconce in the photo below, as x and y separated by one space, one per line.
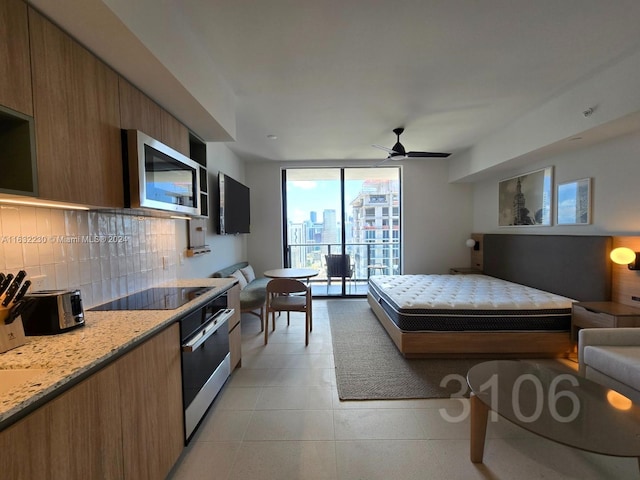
625 256
472 243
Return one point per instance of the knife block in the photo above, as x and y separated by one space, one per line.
12 335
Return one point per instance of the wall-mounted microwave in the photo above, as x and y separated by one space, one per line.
159 177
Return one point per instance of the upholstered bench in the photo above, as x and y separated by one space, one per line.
611 357
253 294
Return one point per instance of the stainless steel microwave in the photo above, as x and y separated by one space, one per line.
159 177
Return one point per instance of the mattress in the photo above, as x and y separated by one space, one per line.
468 303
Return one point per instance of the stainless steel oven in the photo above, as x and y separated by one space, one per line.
206 361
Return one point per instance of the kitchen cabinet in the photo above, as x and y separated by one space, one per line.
152 412
15 69
76 435
77 120
123 422
174 133
139 112
235 334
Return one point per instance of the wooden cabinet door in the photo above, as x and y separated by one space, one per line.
174 134
76 435
152 412
77 120
235 333
139 112
15 69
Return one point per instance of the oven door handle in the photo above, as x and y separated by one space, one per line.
198 338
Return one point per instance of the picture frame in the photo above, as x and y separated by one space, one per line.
525 200
573 206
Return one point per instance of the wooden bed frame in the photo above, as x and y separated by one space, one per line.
573 266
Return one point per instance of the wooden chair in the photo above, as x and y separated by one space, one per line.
338 265
287 295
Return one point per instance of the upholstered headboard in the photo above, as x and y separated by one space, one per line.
574 266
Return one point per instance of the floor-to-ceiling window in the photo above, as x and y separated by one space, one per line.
353 212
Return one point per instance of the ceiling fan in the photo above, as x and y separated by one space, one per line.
399 153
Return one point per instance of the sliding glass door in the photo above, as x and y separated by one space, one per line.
343 222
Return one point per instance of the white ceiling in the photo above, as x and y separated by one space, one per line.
331 77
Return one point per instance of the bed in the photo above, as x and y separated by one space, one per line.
519 307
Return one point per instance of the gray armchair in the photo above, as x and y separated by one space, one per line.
611 357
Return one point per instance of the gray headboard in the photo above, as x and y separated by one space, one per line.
574 266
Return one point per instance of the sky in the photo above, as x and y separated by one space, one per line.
318 195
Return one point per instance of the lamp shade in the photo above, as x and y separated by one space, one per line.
622 255
470 242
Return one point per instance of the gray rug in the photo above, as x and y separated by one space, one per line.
370 367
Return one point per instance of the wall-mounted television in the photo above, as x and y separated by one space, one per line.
233 206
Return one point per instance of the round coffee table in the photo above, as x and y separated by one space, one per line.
558 405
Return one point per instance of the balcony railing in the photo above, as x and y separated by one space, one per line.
379 258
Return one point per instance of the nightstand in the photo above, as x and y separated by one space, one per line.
602 315
464 270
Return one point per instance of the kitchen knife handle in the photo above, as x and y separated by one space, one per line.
20 277
11 292
6 283
23 290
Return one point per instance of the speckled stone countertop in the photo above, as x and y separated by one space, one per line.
63 360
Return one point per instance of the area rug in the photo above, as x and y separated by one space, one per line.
370 367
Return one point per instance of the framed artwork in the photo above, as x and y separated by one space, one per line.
525 200
574 202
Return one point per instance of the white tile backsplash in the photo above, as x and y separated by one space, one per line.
105 254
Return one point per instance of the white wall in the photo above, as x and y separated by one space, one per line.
436 222
612 93
437 218
614 167
225 249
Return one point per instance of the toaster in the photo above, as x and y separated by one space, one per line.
49 312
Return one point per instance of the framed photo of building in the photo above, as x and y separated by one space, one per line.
574 202
525 200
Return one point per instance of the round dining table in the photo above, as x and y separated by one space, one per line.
297 273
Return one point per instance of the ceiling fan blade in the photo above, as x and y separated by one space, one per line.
388 150
427 154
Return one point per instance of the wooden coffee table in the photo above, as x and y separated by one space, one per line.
560 406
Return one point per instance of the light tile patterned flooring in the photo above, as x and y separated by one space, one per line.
279 418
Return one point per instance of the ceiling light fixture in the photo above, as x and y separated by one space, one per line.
272 137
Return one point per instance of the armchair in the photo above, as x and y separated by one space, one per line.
611 357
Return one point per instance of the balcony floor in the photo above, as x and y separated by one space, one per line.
353 288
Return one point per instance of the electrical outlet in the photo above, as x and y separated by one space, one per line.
37 282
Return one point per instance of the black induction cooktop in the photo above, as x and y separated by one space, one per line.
158 298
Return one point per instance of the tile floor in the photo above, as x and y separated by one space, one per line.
279 418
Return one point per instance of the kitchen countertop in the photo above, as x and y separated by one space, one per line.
68 358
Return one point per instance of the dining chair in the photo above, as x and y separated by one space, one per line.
287 295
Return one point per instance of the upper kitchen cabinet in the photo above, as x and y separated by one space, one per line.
139 112
15 70
174 133
77 119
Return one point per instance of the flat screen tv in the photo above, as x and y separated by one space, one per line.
233 206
